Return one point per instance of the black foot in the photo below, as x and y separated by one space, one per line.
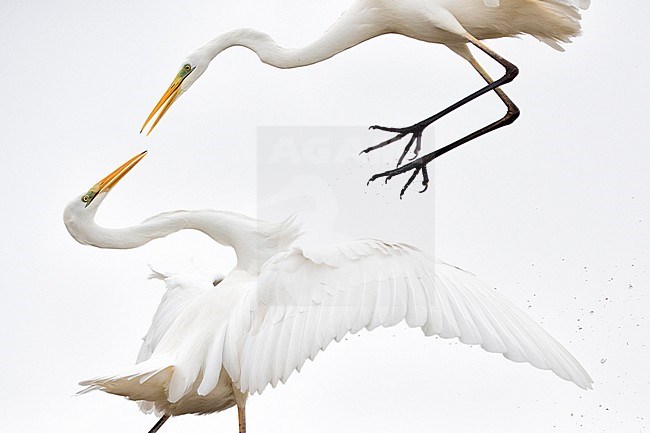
418 166
416 138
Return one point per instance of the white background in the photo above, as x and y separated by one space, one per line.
554 210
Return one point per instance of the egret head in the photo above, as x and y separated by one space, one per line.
190 70
83 208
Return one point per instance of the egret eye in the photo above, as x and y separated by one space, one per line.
185 70
88 197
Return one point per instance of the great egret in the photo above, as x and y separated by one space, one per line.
214 341
454 23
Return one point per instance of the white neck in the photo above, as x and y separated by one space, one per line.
254 241
354 27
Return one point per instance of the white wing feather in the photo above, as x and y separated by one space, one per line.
305 299
181 289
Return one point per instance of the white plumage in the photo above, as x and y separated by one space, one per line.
214 339
262 328
305 299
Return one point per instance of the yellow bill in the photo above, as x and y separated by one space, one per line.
172 93
112 179
163 105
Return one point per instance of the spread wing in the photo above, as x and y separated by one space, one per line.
305 299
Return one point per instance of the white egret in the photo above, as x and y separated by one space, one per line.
454 23
213 341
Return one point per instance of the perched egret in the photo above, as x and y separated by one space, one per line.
454 23
215 340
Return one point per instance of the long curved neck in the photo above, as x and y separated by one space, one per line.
355 26
254 241
89 233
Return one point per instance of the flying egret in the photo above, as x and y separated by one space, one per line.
213 341
454 23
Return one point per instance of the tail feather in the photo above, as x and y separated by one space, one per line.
144 382
563 24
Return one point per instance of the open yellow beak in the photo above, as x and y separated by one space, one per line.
112 179
163 105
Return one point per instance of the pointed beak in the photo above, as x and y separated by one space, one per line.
112 179
172 93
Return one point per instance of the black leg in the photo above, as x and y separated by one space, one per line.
159 424
420 165
416 130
